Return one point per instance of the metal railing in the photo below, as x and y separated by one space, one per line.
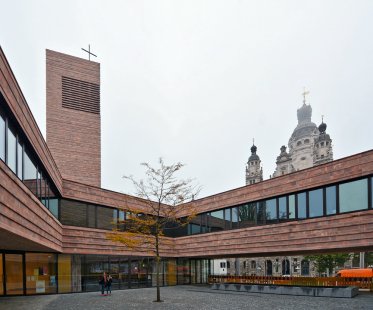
362 283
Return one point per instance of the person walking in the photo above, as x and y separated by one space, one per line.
108 284
103 283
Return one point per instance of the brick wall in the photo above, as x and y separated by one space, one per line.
74 132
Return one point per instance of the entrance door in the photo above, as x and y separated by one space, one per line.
14 274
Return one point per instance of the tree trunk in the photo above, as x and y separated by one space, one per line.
158 265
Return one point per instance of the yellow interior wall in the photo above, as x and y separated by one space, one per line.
64 273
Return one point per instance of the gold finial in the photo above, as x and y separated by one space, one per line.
304 94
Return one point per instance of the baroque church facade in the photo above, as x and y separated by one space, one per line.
308 146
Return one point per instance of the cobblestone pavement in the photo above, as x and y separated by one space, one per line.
182 297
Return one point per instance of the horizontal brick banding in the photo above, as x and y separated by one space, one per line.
24 220
22 113
339 233
80 95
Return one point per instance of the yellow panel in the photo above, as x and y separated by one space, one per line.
171 272
64 273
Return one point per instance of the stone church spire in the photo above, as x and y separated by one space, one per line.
254 172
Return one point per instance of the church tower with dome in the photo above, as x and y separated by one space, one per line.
254 172
309 145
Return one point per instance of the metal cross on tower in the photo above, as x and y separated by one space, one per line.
89 52
304 94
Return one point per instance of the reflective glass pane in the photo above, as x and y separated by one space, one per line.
227 217
73 213
19 161
41 273
194 229
53 206
195 225
91 216
104 218
316 206
216 220
331 200
371 192
271 212
302 206
291 206
260 213
282 208
235 217
14 274
2 138
247 214
11 151
29 173
353 196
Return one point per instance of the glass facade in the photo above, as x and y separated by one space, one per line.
50 273
331 200
41 275
282 207
18 157
353 196
2 137
11 150
316 205
14 274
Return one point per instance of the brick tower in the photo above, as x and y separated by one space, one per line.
73 116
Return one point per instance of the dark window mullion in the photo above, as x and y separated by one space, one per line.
337 198
307 205
324 201
370 189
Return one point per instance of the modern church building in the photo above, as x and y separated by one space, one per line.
54 215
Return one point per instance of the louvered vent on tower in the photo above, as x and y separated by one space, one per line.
80 95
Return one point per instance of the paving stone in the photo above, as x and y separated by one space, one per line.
182 297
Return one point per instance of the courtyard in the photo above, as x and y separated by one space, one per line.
182 297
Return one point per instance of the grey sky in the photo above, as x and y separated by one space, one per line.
195 81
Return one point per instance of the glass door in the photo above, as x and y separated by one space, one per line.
1 275
14 274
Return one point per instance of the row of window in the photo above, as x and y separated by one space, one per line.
18 157
329 200
76 213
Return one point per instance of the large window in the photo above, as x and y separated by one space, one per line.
316 205
41 276
247 214
331 200
353 196
73 213
2 137
271 211
292 207
302 205
12 150
216 220
282 209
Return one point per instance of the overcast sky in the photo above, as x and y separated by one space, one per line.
196 81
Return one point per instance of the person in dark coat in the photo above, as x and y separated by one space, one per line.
103 283
108 284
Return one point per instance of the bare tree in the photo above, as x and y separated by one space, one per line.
163 194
